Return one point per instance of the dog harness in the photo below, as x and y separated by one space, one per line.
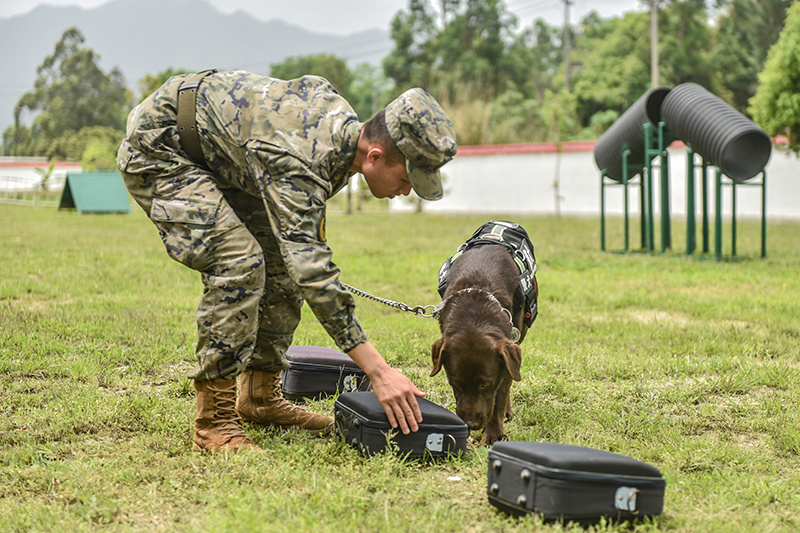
516 240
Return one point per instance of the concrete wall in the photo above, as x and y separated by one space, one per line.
519 179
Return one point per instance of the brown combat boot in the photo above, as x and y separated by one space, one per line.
217 426
261 402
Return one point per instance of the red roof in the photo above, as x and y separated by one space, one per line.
39 164
526 148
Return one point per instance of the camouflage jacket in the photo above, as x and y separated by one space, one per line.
291 143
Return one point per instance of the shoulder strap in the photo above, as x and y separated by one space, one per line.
187 116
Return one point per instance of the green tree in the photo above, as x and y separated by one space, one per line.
99 145
515 118
776 104
414 33
473 45
533 59
369 90
746 31
463 62
612 57
685 42
612 60
150 82
70 93
332 68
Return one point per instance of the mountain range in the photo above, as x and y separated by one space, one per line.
148 36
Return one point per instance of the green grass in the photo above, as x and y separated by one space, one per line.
687 363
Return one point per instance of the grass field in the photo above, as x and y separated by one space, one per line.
687 363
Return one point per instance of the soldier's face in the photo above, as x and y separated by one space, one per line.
387 182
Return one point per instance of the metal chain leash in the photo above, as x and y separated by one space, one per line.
421 310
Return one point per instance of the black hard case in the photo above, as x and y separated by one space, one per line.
317 372
362 422
564 482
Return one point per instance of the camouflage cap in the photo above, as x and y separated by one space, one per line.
423 133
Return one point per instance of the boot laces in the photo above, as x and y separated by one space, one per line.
283 404
227 420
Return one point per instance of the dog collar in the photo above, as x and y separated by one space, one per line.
515 334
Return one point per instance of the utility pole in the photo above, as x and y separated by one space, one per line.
567 44
654 42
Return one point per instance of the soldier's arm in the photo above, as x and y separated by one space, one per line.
296 207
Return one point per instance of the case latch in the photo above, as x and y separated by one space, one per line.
625 499
435 442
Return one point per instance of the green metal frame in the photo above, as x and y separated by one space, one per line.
691 228
718 220
625 183
656 141
655 145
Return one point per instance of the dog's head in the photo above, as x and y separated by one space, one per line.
476 366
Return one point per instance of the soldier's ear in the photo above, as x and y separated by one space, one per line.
375 153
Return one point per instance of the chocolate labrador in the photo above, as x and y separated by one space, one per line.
482 329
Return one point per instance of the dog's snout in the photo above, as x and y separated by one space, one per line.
471 421
472 424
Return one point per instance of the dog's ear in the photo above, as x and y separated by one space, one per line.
436 355
512 355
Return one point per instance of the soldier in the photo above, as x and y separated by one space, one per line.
234 170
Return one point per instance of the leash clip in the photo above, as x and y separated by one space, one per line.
422 310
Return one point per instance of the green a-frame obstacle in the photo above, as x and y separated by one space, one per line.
95 192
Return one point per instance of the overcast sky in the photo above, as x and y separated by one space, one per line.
344 17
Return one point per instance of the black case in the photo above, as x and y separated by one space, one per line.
362 422
316 372
565 482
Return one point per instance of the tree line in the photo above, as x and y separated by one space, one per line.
498 82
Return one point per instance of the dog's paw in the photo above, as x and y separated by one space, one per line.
491 438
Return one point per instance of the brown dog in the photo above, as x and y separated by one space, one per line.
476 350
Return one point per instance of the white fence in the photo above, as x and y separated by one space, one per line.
22 181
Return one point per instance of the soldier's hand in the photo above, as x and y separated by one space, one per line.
396 393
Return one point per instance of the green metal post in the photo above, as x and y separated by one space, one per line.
691 230
666 230
645 222
763 214
718 217
733 218
645 196
705 208
603 210
625 152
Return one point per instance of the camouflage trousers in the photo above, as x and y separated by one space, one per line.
250 308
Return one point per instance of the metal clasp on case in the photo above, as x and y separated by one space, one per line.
625 499
435 442
350 383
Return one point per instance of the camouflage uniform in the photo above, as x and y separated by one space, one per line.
252 222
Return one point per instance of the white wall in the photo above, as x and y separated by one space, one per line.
522 183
